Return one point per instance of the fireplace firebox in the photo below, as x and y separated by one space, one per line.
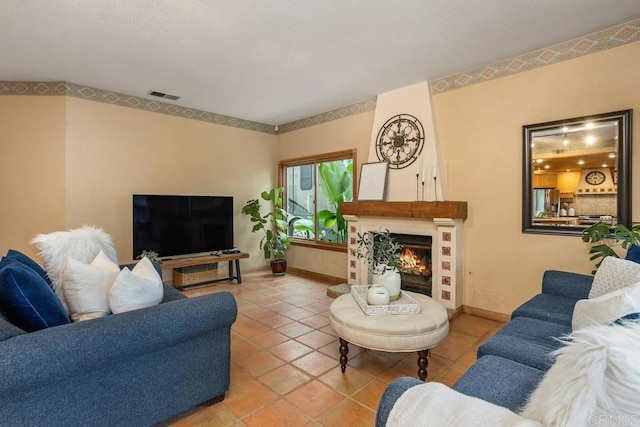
415 266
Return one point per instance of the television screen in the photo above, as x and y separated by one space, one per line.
182 225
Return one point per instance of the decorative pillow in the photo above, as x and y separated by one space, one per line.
607 308
22 258
596 376
86 287
613 274
633 254
82 244
27 300
137 288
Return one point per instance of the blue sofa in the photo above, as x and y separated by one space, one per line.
512 362
131 369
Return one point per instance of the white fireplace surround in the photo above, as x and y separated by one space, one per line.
446 235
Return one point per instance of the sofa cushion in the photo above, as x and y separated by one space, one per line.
607 308
613 274
22 258
27 299
527 341
549 308
86 287
500 381
82 244
137 288
633 253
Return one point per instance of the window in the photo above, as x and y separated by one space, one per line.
314 188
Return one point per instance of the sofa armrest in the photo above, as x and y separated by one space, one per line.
565 284
435 404
39 357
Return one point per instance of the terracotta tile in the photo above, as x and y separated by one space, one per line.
348 414
452 348
258 313
329 330
346 383
373 363
316 339
276 320
213 415
238 375
333 350
269 339
436 368
370 395
297 314
248 397
319 307
315 363
453 374
314 398
290 350
284 379
277 414
294 329
248 327
241 348
315 321
280 306
260 363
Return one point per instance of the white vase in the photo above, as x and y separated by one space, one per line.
377 295
390 279
572 212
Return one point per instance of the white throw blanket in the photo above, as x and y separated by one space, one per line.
435 404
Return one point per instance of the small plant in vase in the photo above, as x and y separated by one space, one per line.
383 255
152 255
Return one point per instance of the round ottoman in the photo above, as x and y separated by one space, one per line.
393 332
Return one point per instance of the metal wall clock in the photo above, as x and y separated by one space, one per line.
400 141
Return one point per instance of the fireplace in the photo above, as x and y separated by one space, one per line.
415 266
434 237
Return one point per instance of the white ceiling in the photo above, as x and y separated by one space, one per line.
275 61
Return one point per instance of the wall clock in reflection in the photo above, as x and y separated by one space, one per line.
595 178
400 141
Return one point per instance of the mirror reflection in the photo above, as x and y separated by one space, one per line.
571 173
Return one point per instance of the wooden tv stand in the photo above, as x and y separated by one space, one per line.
208 259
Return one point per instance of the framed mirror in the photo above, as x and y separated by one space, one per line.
576 172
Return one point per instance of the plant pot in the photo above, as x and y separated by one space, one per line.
390 279
278 267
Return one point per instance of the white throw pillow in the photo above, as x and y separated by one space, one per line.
596 376
607 308
613 274
137 288
82 244
86 287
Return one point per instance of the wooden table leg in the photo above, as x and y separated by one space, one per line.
423 362
344 350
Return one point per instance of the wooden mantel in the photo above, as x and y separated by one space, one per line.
427 210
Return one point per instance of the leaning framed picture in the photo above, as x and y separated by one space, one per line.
373 181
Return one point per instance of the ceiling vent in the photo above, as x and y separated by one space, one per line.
164 95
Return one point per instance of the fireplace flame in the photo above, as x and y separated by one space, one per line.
413 263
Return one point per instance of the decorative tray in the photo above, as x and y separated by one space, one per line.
403 305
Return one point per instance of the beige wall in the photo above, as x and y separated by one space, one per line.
32 169
79 162
480 130
352 132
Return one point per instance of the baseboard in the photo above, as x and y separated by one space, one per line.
313 275
487 314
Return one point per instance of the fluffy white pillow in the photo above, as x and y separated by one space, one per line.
82 244
86 287
596 377
607 308
137 288
613 274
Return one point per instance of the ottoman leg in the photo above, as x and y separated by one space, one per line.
423 362
344 350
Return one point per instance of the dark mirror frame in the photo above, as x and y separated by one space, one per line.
623 167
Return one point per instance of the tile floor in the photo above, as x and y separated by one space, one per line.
284 359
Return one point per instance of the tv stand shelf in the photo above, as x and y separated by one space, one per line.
208 259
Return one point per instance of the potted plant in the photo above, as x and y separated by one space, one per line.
603 243
383 254
274 226
152 255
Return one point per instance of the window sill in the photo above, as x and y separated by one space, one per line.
327 246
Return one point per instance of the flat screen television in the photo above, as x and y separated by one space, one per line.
182 225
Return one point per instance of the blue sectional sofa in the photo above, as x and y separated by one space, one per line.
512 362
131 369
